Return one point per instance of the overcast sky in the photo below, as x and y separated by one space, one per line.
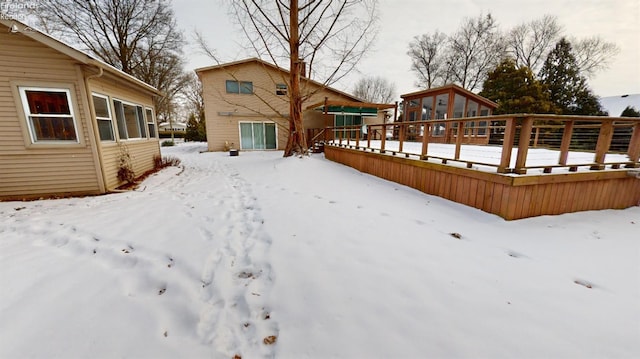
615 20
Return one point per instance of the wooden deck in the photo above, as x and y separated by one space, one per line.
509 191
510 197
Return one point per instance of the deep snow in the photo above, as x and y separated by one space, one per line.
209 261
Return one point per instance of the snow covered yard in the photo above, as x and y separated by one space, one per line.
211 261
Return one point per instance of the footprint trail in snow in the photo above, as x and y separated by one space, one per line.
236 278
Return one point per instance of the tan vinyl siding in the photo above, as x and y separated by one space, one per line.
107 85
50 178
32 170
141 151
263 105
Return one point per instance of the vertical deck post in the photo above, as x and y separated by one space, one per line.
358 134
459 138
523 145
384 137
535 140
401 136
425 140
507 145
604 142
566 142
369 137
634 146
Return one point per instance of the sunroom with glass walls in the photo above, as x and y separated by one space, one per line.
447 103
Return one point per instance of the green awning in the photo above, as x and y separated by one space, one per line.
351 110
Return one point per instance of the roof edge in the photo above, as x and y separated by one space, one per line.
449 86
74 53
275 67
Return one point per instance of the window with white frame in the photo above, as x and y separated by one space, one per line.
103 116
130 120
151 123
49 114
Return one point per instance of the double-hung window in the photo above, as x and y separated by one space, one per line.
130 119
240 87
49 115
103 116
151 124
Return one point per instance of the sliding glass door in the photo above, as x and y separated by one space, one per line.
258 136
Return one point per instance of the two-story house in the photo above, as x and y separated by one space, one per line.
247 106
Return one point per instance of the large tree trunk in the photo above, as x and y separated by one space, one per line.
297 142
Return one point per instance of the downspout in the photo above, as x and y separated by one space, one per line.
94 124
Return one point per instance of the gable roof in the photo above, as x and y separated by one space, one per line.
78 55
448 87
261 62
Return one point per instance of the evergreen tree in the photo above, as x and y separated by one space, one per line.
196 129
515 90
568 90
630 111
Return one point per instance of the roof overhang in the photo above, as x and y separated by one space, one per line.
448 88
82 57
254 60
350 108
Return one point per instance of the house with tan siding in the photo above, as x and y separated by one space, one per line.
247 106
67 118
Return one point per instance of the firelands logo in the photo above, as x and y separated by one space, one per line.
17 9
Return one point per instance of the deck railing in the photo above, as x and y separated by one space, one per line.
611 142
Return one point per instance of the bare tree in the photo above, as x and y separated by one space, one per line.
530 42
139 37
375 89
192 95
322 39
593 54
476 48
428 59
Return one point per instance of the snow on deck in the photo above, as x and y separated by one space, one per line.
536 157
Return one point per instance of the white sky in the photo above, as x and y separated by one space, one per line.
614 20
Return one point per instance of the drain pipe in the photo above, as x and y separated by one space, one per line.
94 124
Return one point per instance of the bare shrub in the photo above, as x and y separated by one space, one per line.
166 161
